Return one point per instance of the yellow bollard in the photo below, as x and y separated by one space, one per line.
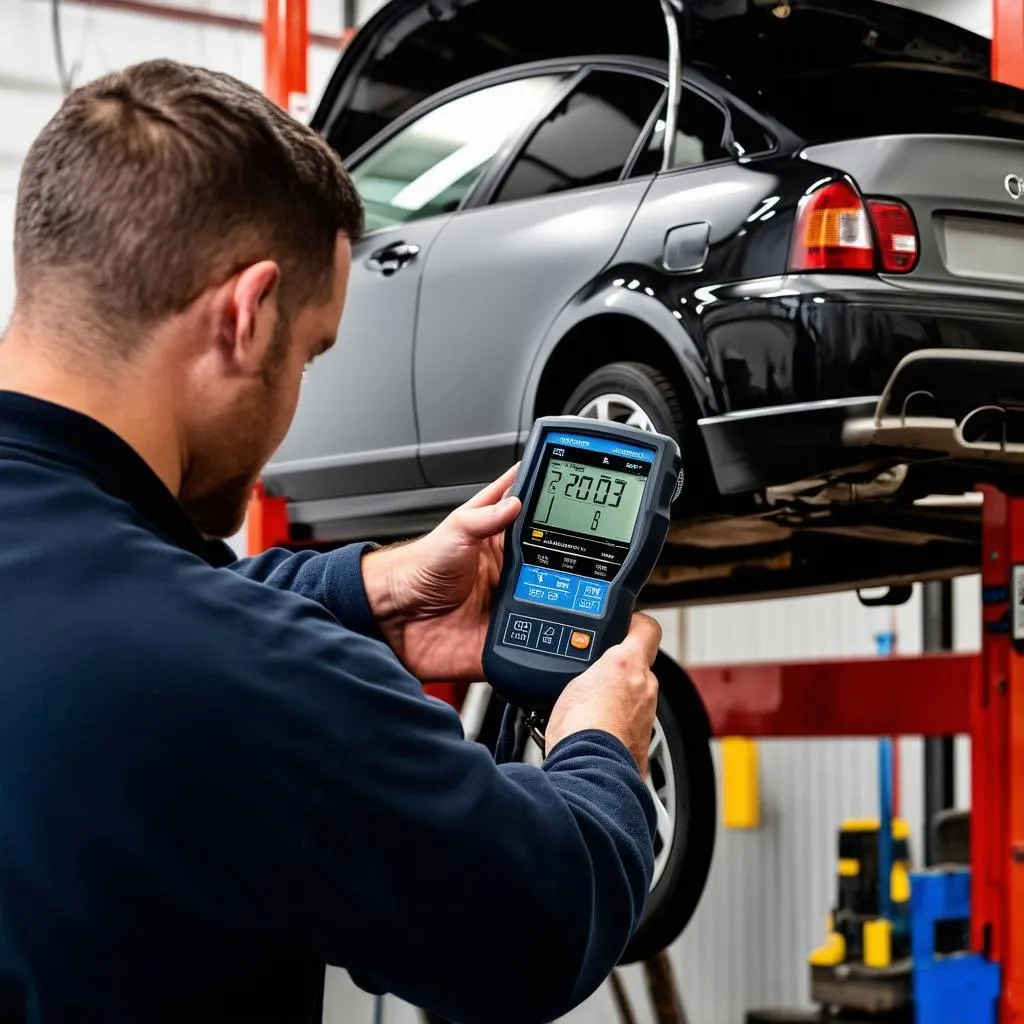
741 796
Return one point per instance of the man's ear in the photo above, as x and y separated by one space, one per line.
255 307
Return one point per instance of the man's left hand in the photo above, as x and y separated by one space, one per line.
432 596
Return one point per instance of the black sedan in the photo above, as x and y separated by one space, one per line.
805 262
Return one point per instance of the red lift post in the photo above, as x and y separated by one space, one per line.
285 78
997 762
286 51
929 695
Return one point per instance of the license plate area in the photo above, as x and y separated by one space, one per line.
981 248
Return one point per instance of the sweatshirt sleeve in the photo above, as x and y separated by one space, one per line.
382 841
485 894
333 580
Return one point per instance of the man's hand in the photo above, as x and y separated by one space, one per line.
617 694
432 597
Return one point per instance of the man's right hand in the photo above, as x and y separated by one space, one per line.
617 694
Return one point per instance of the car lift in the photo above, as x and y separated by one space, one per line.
931 695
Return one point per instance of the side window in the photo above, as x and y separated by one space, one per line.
750 137
698 139
587 138
429 167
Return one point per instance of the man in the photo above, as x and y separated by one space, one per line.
215 775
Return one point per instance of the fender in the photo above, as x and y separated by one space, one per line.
644 296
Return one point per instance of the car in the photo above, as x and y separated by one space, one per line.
789 233
829 228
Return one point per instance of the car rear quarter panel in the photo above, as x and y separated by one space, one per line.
749 209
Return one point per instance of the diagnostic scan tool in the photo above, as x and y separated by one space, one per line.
596 504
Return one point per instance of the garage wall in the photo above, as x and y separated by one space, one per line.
770 889
98 40
970 14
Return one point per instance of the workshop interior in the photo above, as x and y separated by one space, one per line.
741 282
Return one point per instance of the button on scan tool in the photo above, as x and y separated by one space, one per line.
520 631
549 637
580 641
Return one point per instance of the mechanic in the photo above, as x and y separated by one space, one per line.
217 776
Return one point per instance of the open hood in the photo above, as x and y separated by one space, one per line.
411 49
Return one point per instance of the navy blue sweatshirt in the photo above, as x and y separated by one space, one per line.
216 778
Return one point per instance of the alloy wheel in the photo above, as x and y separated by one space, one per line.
613 408
661 785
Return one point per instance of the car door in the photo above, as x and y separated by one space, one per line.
355 428
500 273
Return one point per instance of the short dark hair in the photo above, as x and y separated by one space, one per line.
152 183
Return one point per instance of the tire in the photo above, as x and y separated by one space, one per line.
676 892
685 729
638 383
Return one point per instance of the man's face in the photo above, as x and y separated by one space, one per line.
231 445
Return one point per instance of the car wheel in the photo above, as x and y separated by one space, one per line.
633 394
682 781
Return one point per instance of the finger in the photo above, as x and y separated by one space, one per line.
644 634
494 492
480 523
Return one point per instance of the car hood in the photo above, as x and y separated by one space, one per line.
411 49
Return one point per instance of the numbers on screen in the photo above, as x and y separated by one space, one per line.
620 486
556 477
597 520
601 496
574 479
584 489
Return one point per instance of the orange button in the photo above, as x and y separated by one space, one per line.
581 641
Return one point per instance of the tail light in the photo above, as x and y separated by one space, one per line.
837 230
897 235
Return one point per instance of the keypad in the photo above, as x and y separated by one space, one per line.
548 637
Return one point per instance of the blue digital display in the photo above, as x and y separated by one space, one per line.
601 446
561 590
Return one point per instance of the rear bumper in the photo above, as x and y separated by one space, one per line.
807 338
766 447
807 398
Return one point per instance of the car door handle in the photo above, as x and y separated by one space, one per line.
392 257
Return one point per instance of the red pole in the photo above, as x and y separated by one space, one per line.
1008 42
997 736
286 53
997 755
897 774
